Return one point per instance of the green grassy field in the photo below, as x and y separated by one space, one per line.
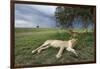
28 39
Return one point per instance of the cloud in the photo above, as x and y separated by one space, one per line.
23 24
32 15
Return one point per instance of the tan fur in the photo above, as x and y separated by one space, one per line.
58 44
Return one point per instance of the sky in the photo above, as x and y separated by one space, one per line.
30 16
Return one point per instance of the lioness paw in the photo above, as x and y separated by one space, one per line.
58 56
39 51
33 51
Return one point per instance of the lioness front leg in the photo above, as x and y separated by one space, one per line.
60 52
72 50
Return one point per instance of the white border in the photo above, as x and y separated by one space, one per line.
84 2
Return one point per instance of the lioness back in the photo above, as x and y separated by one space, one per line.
57 43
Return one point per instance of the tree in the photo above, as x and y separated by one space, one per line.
86 16
37 26
65 16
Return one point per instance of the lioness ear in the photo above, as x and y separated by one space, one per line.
72 41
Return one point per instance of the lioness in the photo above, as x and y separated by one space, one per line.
58 44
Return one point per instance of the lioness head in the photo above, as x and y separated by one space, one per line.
74 42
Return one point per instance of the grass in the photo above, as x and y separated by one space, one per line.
28 39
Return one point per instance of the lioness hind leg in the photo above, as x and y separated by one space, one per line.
39 50
43 45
